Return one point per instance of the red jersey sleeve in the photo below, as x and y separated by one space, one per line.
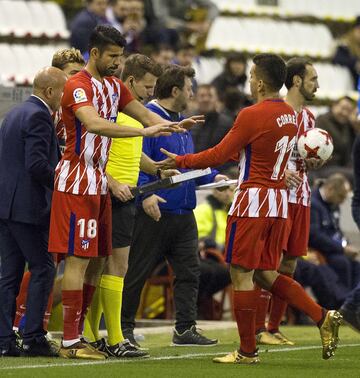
77 93
243 132
125 96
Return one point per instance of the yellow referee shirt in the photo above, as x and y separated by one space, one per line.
125 154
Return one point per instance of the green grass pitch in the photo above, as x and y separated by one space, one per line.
303 360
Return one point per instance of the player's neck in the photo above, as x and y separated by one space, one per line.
295 100
168 104
91 68
268 96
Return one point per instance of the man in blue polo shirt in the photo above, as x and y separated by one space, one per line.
165 223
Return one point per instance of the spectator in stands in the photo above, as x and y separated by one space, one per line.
326 235
185 55
217 124
116 13
323 281
348 52
337 122
128 17
191 16
350 310
162 54
234 100
234 74
85 22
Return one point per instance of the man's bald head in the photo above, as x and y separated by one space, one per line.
48 85
48 77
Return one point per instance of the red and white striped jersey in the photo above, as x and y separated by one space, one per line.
60 130
82 167
262 139
302 194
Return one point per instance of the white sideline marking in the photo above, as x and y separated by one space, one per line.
162 358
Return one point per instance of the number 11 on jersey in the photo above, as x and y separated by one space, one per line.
283 146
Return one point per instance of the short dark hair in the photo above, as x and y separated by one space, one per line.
206 86
271 68
173 76
296 66
185 46
347 98
105 35
139 65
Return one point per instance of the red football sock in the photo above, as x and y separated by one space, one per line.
72 304
263 299
278 308
48 311
290 291
88 293
21 299
245 313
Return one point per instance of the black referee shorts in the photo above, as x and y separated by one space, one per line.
123 219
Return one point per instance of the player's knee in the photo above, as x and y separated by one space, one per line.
288 266
265 278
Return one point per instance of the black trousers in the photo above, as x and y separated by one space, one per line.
175 238
21 243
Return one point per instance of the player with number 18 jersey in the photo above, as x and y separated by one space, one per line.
81 208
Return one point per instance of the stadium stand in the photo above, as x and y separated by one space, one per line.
325 9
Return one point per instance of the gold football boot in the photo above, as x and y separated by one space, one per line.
81 351
237 358
284 340
329 333
267 338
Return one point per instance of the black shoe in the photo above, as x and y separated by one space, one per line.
351 317
191 337
40 348
99 345
12 350
125 350
129 335
19 340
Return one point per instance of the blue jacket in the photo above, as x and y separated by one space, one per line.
325 233
181 199
355 204
81 28
29 153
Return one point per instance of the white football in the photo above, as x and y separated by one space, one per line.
315 143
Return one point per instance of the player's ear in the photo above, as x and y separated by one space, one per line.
261 86
95 52
174 91
297 80
48 92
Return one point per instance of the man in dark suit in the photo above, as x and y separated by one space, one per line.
29 152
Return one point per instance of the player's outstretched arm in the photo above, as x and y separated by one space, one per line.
149 166
100 126
147 118
169 162
228 149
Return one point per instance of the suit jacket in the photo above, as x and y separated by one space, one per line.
29 153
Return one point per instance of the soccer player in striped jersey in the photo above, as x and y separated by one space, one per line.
71 62
302 84
262 138
126 158
80 225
